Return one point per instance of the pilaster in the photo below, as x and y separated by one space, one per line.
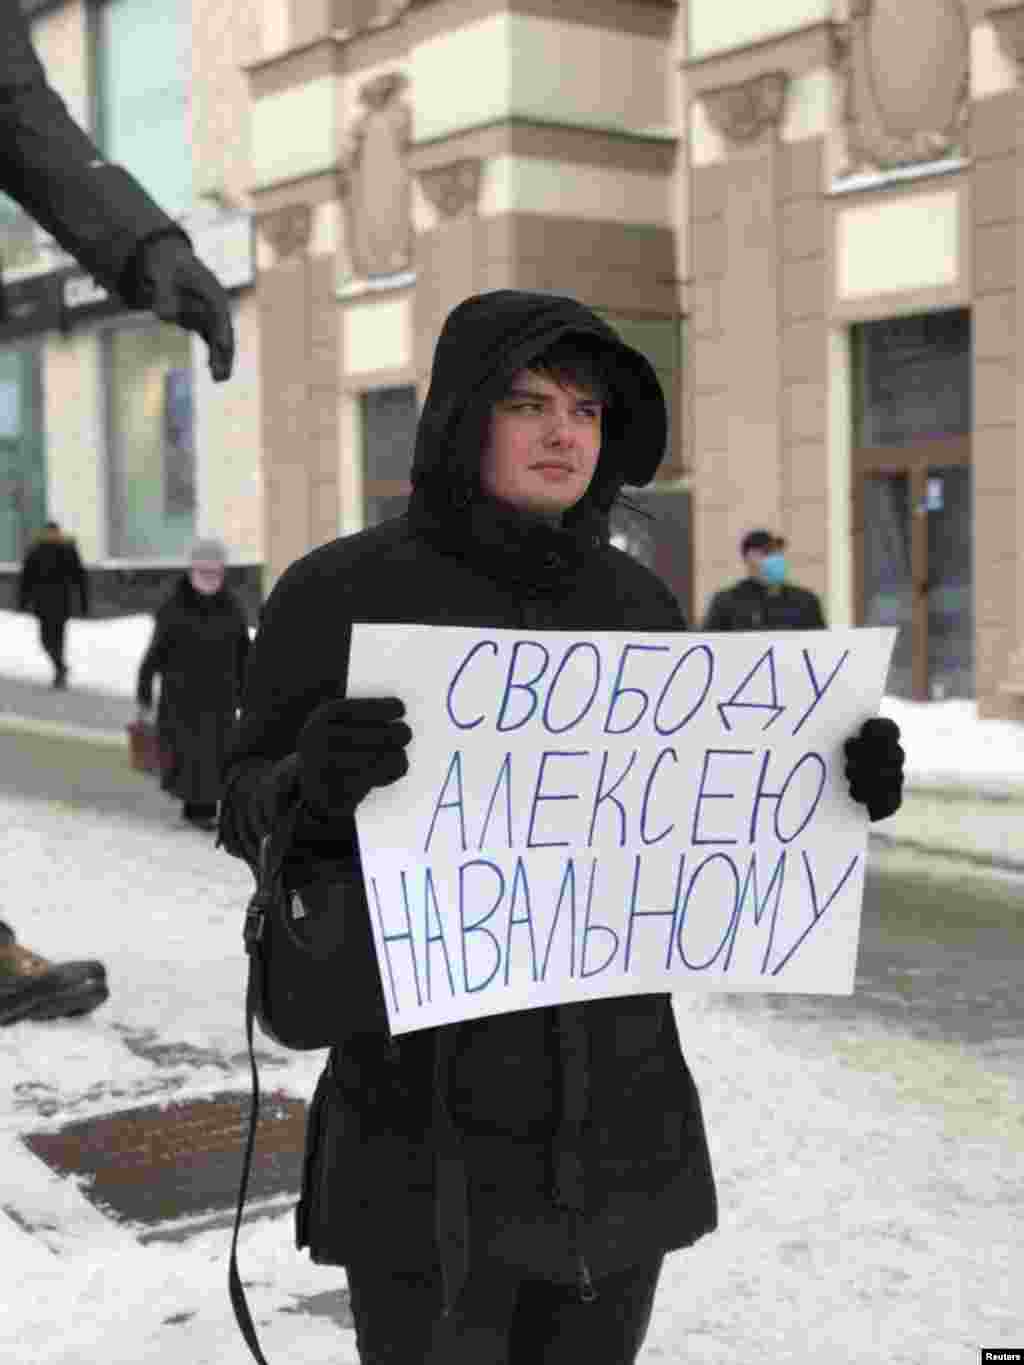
737 278
999 324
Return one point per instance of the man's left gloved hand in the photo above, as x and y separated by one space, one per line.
179 288
874 767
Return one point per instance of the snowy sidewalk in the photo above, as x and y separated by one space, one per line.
871 1200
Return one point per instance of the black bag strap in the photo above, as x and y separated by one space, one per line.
269 884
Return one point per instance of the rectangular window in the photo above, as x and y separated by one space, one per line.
17 237
22 451
143 66
151 493
912 378
389 419
662 540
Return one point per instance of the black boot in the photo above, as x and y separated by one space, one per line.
32 988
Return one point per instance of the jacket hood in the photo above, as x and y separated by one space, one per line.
486 340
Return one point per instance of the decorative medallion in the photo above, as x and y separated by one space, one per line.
454 188
906 68
743 112
378 191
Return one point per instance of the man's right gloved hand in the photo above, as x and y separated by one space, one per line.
346 748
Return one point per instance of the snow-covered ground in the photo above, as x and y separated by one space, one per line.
871 1197
945 741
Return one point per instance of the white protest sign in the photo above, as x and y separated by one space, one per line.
612 813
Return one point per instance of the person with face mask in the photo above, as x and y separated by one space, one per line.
764 600
199 647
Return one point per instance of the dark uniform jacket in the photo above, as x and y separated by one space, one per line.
96 211
752 605
199 648
52 569
562 1141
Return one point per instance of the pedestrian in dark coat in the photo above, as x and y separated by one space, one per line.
199 647
50 576
505 1188
97 211
764 600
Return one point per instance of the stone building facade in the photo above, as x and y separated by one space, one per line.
854 245
408 155
805 212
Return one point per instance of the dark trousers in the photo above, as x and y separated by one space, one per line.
51 633
501 1318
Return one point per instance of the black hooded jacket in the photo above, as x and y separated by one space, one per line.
753 605
198 649
560 1140
51 574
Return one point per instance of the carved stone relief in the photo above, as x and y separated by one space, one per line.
389 12
905 66
453 189
287 229
375 177
1009 27
741 113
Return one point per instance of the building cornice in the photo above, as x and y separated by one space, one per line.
796 53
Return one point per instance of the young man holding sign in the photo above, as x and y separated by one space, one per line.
501 1189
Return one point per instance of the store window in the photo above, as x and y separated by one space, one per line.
389 436
143 67
151 484
22 454
17 236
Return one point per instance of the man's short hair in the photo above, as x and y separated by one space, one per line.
578 361
761 540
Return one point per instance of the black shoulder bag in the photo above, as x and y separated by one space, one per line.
313 981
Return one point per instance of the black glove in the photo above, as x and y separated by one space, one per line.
874 767
347 748
179 288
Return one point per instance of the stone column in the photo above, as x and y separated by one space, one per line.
285 319
446 256
739 373
999 321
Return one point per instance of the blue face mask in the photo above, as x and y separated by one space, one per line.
773 569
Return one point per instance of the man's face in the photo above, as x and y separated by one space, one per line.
543 445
